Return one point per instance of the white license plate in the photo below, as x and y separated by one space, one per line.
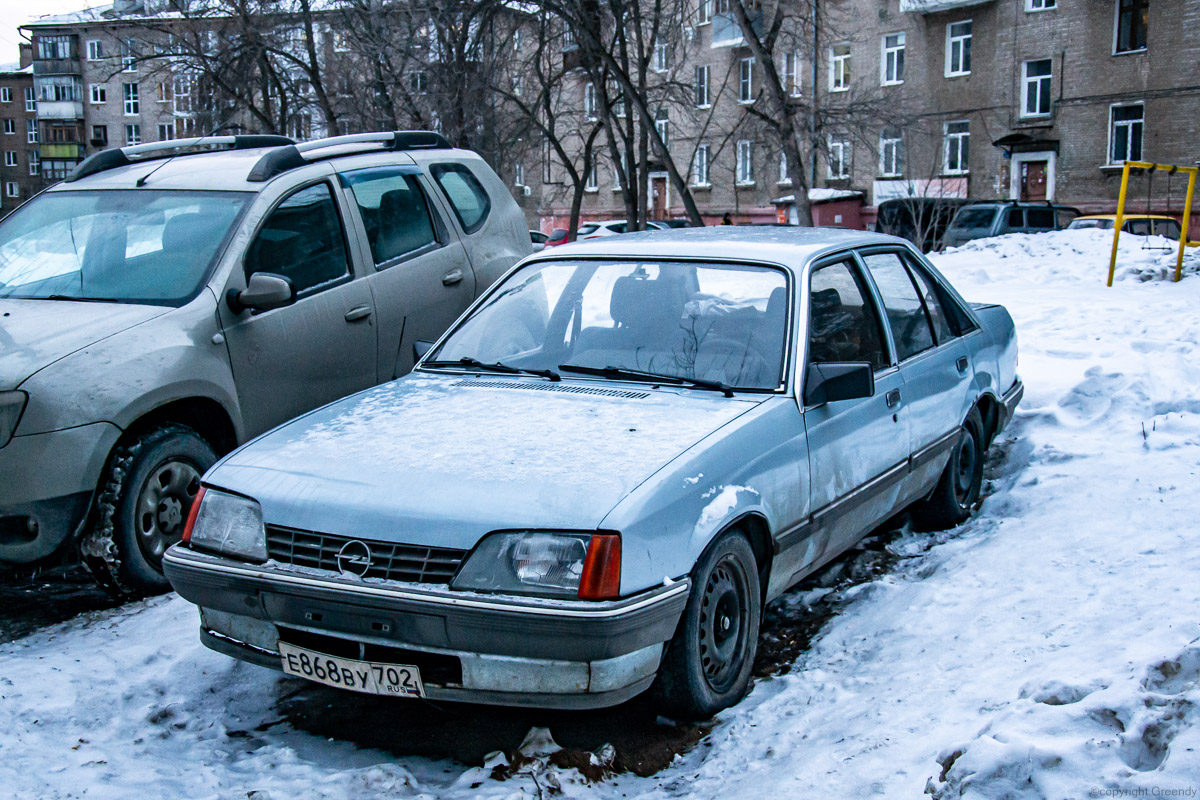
395 680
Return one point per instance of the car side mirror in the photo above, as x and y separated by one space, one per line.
832 381
264 291
420 348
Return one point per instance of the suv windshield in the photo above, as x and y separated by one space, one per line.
717 323
131 245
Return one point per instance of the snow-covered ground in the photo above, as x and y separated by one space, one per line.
1048 648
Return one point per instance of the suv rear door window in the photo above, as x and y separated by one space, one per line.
466 194
393 211
303 241
1041 219
843 324
1016 218
905 313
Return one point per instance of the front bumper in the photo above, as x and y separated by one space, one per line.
474 647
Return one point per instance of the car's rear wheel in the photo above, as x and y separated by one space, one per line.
146 494
708 663
957 492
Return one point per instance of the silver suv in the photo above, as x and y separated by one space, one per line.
172 300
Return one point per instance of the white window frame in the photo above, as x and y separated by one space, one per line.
839 68
1117 33
1128 125
547 162
954 141
792 73
10 127
1036 83
95 50
35 163
30 99
168 128
662 56
12 189
592 181
97 93
785 178
1040 5
745 162
31 131
662 124
132 99
518 174
704 13
960 41
842 148
5 94
703 98
129 55
590 105
133 133
891 58
746 80
700 166
891 149
10 158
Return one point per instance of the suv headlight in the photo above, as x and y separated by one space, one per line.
228 524
549 564
11 406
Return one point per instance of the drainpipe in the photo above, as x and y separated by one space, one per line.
812 121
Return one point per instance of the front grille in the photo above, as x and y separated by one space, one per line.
395 562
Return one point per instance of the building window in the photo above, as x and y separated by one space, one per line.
839 68
958 48
745 162
10 158
891 153
791 73
1125 133
1133 19
31 131
957 146
547 163
419 82
131 99
133 134
99 93
1040 5
704 12
52 48
702 98
839 159
59 88
589 101
893 59
129 56
617 95
35 162
700 166
518 85
592 184
99 135
166 131
5 94
95 50
662 57
746 80
162 92
785 177
662 124
1035 92
12 189
10 126
30 99
518 174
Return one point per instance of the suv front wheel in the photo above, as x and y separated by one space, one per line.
146 493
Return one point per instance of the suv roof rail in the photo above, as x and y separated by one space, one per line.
293 156
153 151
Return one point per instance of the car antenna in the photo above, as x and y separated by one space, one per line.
142 180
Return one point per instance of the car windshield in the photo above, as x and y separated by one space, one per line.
974 218
131 245
721 323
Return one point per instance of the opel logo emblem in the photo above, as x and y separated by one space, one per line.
354 558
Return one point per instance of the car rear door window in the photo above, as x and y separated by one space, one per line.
905 312
303 241
931 295
1041 219
466 194
1140 227
1016 218
394 212
842 323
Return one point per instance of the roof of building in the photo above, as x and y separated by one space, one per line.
94 14
15 68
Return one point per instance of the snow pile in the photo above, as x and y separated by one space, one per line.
1049 648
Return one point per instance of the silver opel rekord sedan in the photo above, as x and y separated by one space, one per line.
592 484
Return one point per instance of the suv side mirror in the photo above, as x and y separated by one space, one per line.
264 291
830 382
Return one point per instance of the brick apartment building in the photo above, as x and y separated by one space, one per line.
20 169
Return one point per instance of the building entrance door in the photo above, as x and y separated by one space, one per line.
658 207
1033 181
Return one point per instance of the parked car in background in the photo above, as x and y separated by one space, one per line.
673 223
1137 224
921 220
611 227
539 240
981 220
596 481
171 300
557 236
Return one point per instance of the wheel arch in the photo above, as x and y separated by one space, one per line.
989 411
754 526
206 416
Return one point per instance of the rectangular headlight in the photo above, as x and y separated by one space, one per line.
229 524
549 564
11 406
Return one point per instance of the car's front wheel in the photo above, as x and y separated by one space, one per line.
145 496
708 663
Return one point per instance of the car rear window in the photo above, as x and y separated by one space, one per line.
975 218
466 194
1040 218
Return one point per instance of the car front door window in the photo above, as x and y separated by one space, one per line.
303 241
843 325
905 312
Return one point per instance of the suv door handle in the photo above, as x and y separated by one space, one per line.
452 277
357 313
962 363
893 398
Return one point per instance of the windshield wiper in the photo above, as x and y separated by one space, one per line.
495 366
82 299
622 372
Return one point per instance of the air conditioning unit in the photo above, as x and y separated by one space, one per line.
525 190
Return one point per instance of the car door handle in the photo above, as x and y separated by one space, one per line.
893 398
962 363
357 313
452 277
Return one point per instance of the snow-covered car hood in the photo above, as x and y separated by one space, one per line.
35 333
445 459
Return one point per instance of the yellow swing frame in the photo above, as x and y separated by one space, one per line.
1170 169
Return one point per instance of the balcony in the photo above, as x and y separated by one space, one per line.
727 33
57 66
934 6
60 109
61 150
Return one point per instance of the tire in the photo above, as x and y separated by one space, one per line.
957 493
146 492
721 618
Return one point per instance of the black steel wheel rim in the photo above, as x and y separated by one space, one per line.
724 613
162 507
965 459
